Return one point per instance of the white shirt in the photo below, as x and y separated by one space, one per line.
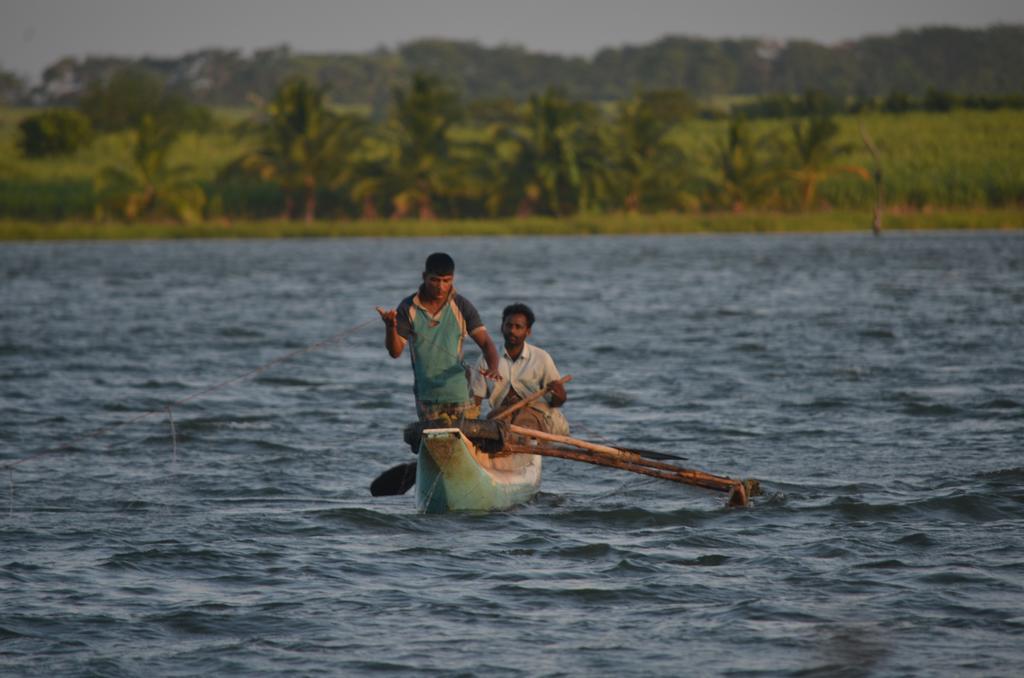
530 372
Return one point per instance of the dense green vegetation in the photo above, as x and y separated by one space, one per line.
297 157
134 142
905 64
438 130
53 132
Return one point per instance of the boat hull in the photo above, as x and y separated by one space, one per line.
453 475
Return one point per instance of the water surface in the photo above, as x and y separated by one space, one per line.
874 386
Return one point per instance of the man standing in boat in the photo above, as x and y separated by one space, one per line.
526 370
434 322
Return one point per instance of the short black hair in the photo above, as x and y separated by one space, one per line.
439 263
518 309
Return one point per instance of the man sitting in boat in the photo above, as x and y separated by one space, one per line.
434 322
525 370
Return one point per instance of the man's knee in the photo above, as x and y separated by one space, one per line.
531 418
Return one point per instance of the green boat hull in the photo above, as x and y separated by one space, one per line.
453 475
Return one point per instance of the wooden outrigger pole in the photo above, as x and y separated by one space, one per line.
740 491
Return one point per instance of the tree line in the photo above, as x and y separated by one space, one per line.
434 155
977 62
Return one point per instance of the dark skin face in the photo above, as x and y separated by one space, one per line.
436 287
515 330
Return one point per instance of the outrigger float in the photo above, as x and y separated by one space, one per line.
489 464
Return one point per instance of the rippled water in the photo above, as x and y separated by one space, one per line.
875 386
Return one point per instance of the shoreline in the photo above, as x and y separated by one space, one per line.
720 223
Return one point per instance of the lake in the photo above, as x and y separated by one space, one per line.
875 387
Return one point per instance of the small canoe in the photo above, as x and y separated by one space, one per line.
453 475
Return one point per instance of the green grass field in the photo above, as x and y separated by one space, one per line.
964 158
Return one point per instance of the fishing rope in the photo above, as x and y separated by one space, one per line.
460 357
433 488
174 437
626 484
168 408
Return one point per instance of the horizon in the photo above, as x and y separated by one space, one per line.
37 35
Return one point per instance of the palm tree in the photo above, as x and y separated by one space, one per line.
651 170
495 169
815 154
372 183
746 174
420 122
303 145
555 162
148 185
346 151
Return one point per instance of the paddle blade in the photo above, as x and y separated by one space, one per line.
650 454
396 480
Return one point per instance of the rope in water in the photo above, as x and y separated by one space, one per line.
169 407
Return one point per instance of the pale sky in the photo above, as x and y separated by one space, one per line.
36 33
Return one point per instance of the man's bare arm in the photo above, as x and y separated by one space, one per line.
393 341
490 351
558 394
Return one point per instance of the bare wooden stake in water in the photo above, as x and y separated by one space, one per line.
876 223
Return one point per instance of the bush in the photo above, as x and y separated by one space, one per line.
939 101
897 102
54 132
131 94
46 200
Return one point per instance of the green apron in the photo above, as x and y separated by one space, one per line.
436 351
